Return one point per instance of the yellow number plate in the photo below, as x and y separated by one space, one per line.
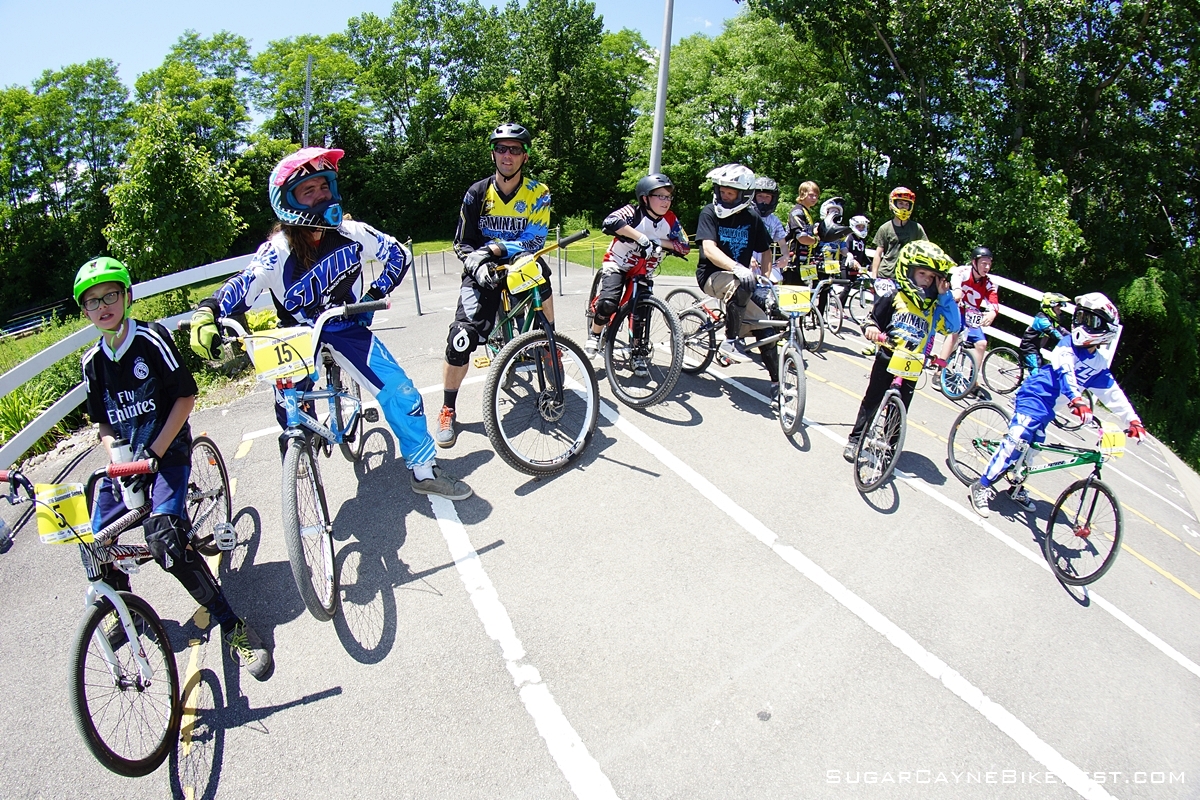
1113 443
67 499
906 363
832 266
282 353
799 300
527 276
808 272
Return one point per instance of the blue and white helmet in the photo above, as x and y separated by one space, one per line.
311 162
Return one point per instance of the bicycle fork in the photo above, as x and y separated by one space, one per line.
97 589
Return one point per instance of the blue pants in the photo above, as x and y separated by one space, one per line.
1028 425
363 357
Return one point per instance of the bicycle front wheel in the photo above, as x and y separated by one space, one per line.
129 723
880 445
1003 370
974 438
958 376
589 310
1084 533
307 531
348 406
699 340
834 312
812 327
209 500
793 390
643 353
859 304
540 409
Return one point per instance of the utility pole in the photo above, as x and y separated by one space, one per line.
307 95
660 101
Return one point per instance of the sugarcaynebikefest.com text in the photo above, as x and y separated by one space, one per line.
995 777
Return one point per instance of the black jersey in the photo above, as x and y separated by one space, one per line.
738 236
135 388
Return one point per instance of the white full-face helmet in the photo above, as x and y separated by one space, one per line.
1096 320
733 176
860 225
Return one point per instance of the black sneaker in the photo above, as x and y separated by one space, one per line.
980 497
1020 495
249 650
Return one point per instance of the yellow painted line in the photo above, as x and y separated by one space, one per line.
1160 570
244 448
233 487
1128 507
925 430
192 679
1189 547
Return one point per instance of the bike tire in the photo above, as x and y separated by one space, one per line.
589 310
681 298
130 726
881 444
352 440
793 391
1084 533
958 377
528 428
812 327
1069 422
859 304
975 437
307 531
1003 370
699 340
835 313
657 350
209 499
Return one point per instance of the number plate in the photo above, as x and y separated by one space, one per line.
974 318
527 276
799 300
832 265
1113 443
282 353
906 363
68 500
808 272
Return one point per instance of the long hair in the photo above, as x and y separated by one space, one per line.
300 243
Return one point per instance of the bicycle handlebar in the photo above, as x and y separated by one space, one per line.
347 310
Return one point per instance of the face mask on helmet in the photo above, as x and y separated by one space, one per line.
311 162
859 225
736 177
901 202
1095 322
764 185
832 210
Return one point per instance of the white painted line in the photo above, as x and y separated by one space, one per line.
1109 466
993 712
582 771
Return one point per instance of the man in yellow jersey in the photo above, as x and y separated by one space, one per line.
502 216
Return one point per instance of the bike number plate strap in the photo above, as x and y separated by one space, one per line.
282 353
525 277
906 363
795 300
67 499
1112 443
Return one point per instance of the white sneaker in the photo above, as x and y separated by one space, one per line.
592 346
734 350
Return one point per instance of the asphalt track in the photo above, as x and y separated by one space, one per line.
701 608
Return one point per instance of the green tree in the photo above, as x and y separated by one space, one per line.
173 208
277 88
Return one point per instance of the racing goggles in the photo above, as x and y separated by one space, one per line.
1092 321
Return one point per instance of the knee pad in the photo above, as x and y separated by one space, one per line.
167 538
460 343
604 309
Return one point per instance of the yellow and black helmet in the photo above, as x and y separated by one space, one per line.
921 255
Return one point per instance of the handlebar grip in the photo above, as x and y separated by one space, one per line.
366 307
574 237
144 467
4 475
183 325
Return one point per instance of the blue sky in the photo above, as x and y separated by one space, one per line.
49 34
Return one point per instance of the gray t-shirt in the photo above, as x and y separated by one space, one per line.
890 238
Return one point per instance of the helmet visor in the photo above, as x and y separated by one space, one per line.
1091 321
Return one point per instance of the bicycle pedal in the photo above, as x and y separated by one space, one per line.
482 362
723 360
225 536
371 415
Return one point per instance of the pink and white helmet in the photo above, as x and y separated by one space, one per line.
1096 320
293 170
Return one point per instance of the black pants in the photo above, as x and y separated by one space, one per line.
877 387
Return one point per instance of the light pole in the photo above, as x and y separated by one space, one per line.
660 101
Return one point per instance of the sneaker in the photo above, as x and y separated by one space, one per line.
1020 495
248 649
592 346
641 368
734 350
849 450
870 349
442 485
980 496
981 393
447 432
774 396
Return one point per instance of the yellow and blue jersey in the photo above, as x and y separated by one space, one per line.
518 222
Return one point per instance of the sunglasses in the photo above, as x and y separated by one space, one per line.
511 149
92 303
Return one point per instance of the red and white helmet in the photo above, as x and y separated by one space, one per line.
293 170
1096 320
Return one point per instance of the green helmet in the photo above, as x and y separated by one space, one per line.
101 269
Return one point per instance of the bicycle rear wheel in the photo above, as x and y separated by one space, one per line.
589 310
958 376
348 405
532 426
859 304
643 352
834 312
307 531
699 340
813 328
209 499
682 298
1003 370
974 438
880 445
1084 533
793 391
129 724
